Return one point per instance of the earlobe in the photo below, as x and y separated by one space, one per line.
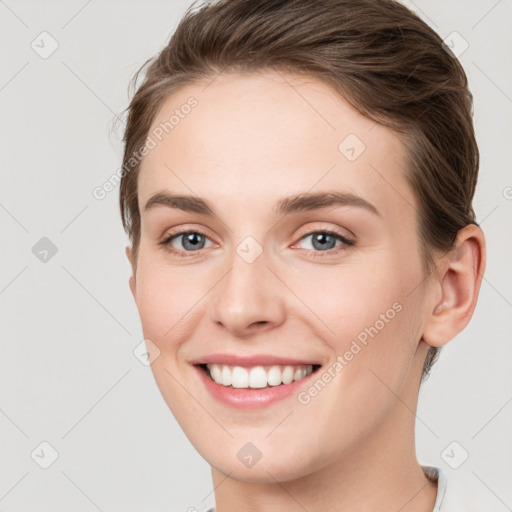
132 284
459 282
131 281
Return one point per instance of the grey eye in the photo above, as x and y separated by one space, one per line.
191 241
322 241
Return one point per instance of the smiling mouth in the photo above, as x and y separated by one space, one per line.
257 377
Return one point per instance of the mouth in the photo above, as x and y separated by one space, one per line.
256 377
254 381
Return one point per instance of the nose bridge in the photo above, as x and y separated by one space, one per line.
248 293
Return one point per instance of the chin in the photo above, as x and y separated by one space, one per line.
273 464
262 472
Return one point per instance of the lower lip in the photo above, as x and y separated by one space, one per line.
251 398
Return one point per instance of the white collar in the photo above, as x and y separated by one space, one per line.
437 475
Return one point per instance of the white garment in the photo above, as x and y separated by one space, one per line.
454 497
439 476
450 498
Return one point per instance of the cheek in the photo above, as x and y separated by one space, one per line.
373 319
166 299
351 299
373 326
168 302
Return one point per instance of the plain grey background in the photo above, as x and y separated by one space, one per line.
69 377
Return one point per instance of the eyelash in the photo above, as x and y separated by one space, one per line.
316 254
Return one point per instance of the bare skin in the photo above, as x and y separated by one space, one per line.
252 140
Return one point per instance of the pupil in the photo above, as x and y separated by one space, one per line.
322 239
192 238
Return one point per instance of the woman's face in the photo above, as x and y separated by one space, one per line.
281 281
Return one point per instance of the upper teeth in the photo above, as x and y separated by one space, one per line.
258 376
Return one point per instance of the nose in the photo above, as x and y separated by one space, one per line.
249 299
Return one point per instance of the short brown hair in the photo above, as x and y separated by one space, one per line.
381 57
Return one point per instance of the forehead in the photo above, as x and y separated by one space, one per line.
253 138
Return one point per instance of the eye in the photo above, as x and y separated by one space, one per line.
325 242
191 241
322 242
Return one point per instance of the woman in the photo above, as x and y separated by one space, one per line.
297 187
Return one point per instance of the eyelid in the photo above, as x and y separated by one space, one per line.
323 228
183 229
327 227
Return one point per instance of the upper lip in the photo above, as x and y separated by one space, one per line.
249 361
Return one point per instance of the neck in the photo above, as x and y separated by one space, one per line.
380 474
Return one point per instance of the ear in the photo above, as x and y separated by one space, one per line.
458 281
131 281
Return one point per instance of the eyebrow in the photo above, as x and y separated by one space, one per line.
287 205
